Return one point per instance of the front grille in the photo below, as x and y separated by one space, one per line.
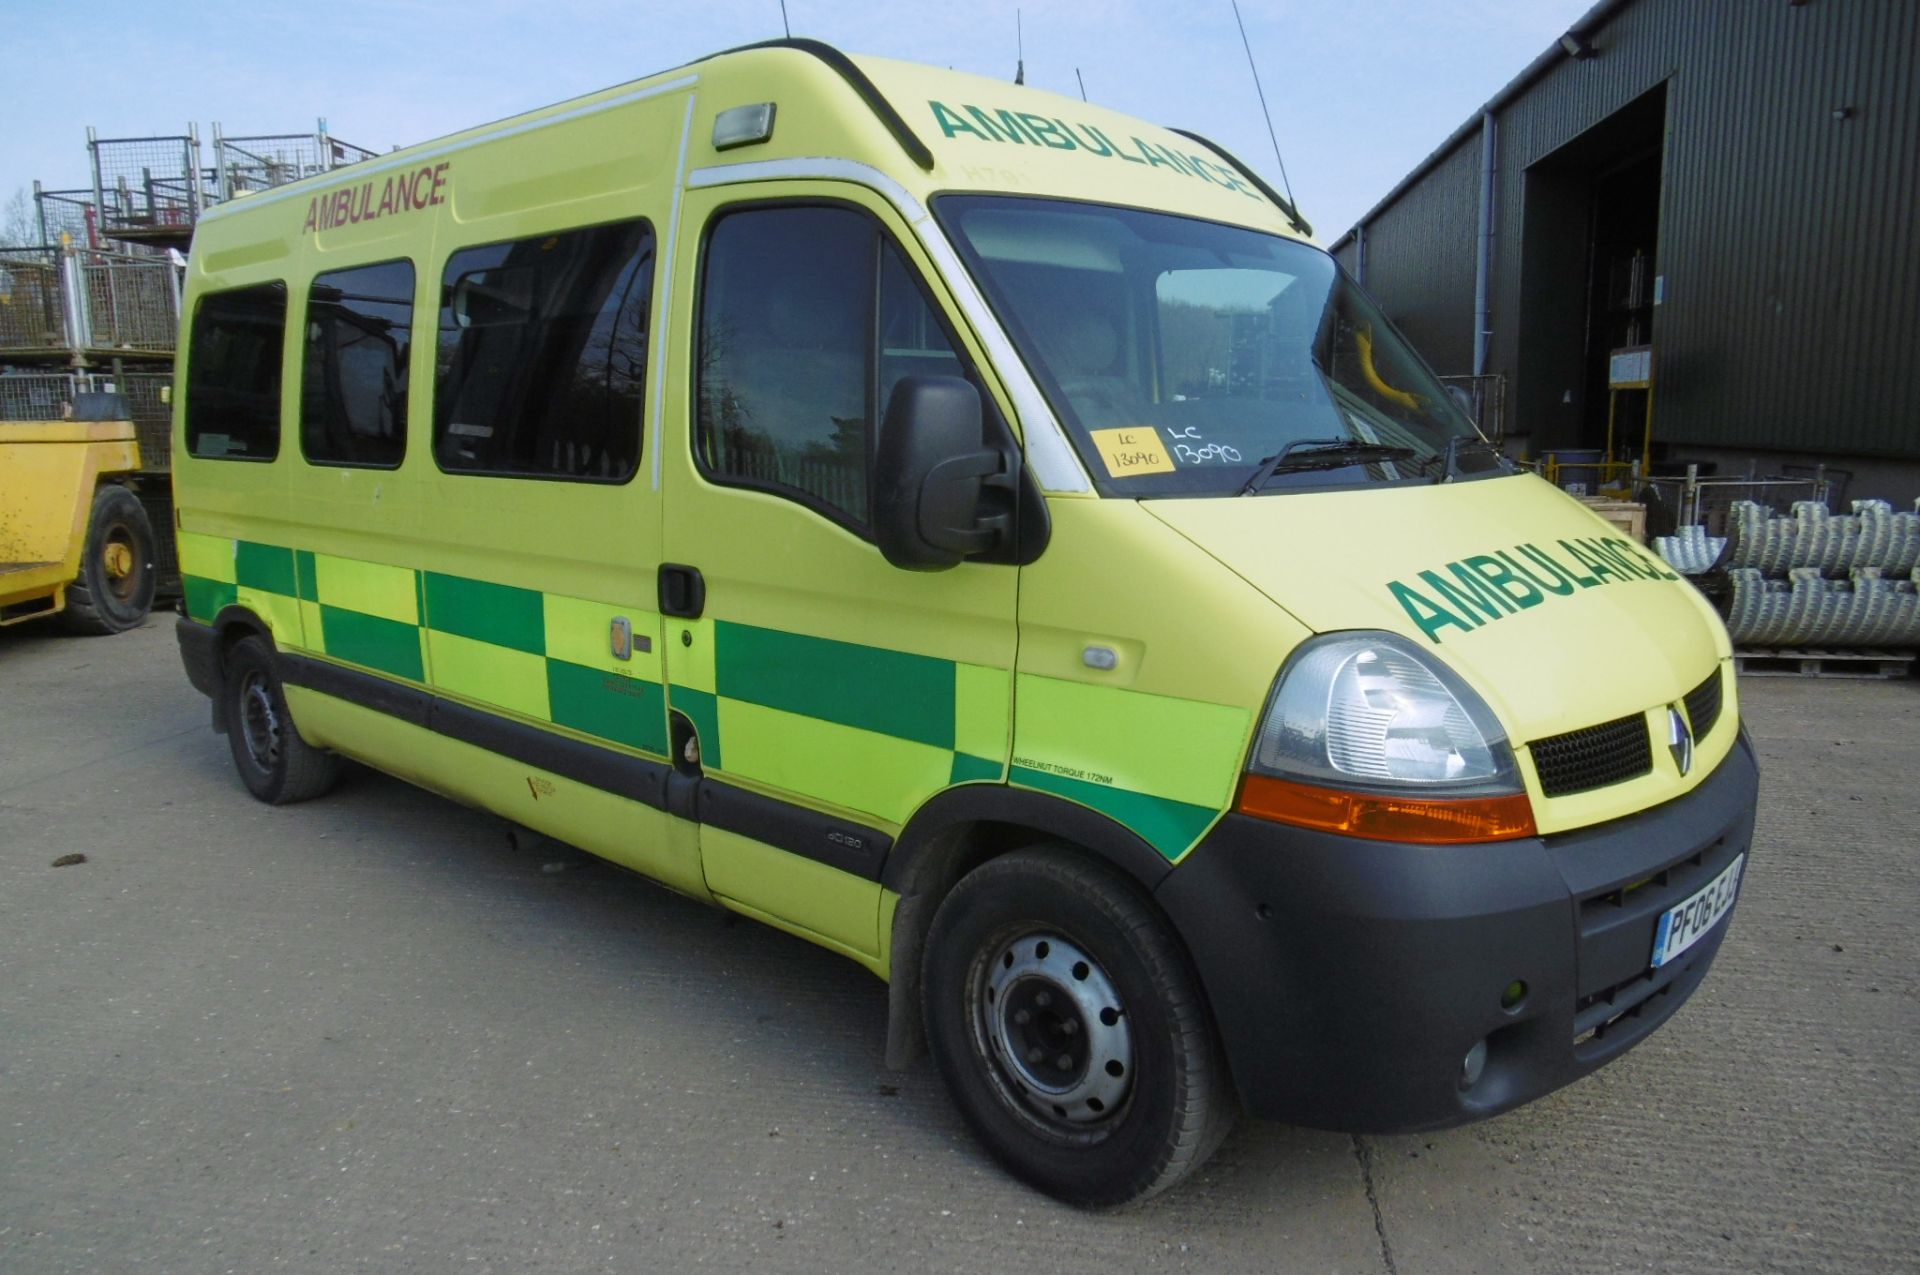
1703 705
1581 760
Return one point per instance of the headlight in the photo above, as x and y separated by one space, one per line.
1367 708
1366 735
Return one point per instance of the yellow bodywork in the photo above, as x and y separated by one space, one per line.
48 472
1125 669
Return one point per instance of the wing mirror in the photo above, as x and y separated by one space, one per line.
930 471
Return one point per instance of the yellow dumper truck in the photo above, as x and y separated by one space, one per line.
74 538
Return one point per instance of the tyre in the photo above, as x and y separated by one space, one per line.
1071 1030
114 590
276 765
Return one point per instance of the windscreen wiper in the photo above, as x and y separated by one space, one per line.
1321 453
1450 459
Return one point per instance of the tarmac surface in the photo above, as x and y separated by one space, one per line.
371 1033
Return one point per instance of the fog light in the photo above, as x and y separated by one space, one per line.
1473 1065
1515 993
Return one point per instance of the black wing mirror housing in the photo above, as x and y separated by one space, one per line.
930 470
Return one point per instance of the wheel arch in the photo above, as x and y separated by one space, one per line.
955 832
234 623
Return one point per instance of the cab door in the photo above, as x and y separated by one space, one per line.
828 692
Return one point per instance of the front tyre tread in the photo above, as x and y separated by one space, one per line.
1182 1104
277 766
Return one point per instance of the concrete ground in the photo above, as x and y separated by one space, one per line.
370 1034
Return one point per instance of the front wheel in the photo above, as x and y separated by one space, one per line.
276 765
1071 1030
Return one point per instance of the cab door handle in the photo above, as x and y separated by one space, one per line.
683 591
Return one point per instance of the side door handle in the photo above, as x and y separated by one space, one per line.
683 591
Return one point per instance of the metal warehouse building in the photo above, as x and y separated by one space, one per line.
1733 183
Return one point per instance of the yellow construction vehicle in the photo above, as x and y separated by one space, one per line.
75 540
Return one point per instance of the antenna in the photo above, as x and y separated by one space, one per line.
1271 135
1019 44
1083 83
784 24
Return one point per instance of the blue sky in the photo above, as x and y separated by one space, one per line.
1361 90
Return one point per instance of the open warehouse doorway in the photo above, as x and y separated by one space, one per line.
1590 275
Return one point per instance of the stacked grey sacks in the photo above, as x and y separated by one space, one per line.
1871 536
1877 605
1690 550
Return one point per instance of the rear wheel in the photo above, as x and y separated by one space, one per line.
1071 1030
276 765
114 590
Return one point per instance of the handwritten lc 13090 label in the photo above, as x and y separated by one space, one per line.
1135 449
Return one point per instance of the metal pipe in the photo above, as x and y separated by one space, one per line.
196 198
1483 260
99 189
1360 254
79 331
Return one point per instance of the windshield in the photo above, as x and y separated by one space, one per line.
1185 356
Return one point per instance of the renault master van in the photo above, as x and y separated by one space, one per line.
981 534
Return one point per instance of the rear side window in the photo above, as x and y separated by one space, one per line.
808 318
233 370
353 385
541 360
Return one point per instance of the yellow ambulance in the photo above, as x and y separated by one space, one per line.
979 533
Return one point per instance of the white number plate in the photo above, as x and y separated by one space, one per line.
1683 926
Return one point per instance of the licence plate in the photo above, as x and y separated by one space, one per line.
1682 926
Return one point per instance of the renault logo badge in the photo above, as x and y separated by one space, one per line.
1679 740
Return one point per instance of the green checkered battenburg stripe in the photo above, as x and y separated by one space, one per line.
845 725
545 656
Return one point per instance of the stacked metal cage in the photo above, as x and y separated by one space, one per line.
243 164
82 305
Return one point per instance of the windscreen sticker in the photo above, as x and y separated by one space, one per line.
1480 589
1132 451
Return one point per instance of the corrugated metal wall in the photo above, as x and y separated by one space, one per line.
1791 316
1425 242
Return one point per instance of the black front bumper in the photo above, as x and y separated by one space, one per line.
1350 978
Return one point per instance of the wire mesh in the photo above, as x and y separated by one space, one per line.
47 396
70 213
1709 502
147 185
33 318
38 396
148 394
131 302
262 162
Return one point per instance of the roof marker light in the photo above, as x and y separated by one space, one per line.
743 126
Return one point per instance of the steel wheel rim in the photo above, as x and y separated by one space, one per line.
120 564
1053 1031
259 722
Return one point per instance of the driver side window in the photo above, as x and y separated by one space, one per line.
808 317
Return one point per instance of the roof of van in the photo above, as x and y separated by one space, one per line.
925 129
